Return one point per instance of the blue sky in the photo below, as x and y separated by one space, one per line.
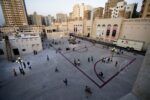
45 7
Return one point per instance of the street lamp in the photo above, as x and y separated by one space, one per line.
113 50
20 61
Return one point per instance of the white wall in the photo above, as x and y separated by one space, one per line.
29 43
136 29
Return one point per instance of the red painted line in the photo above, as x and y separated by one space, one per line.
106 82
96 71
79 69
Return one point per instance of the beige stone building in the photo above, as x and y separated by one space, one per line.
31 29
14 12
145 9
36 19
122 9
78 10
87 14
137 30
107 30
87 27
61 17
8 29
78 27
98 12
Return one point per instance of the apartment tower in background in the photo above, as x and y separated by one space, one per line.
108 5
145 9
98 13
14 12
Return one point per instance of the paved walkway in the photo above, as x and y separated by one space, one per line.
43 83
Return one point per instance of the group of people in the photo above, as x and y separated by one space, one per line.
106 60
35 52
87 88
100 75
77 62
90 59
109 59
21 69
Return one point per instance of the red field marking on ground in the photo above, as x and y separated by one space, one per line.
79 69
112 77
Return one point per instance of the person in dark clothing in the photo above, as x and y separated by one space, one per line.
30 67
24 64
78 62
75 63
116 63
108 60
47 58
73 49
100 74
88 91
56 70
65 81
92 58
15 73
28 63
88 59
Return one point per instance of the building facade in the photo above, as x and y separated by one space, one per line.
79 10
145 9
98 13
31 29
36 19
124 10
87 14
108 5
137 30
48 20
107 30
14 12
20 45
60 17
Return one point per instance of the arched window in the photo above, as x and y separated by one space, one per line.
74 29
98 25
103 25
115 27
108 30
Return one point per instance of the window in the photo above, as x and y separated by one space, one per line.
114 33
114 30
23 49
16 51
148 15
98 25
103 25
108 30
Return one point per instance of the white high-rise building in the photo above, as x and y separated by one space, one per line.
123 10
48 20
36 19
78 10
